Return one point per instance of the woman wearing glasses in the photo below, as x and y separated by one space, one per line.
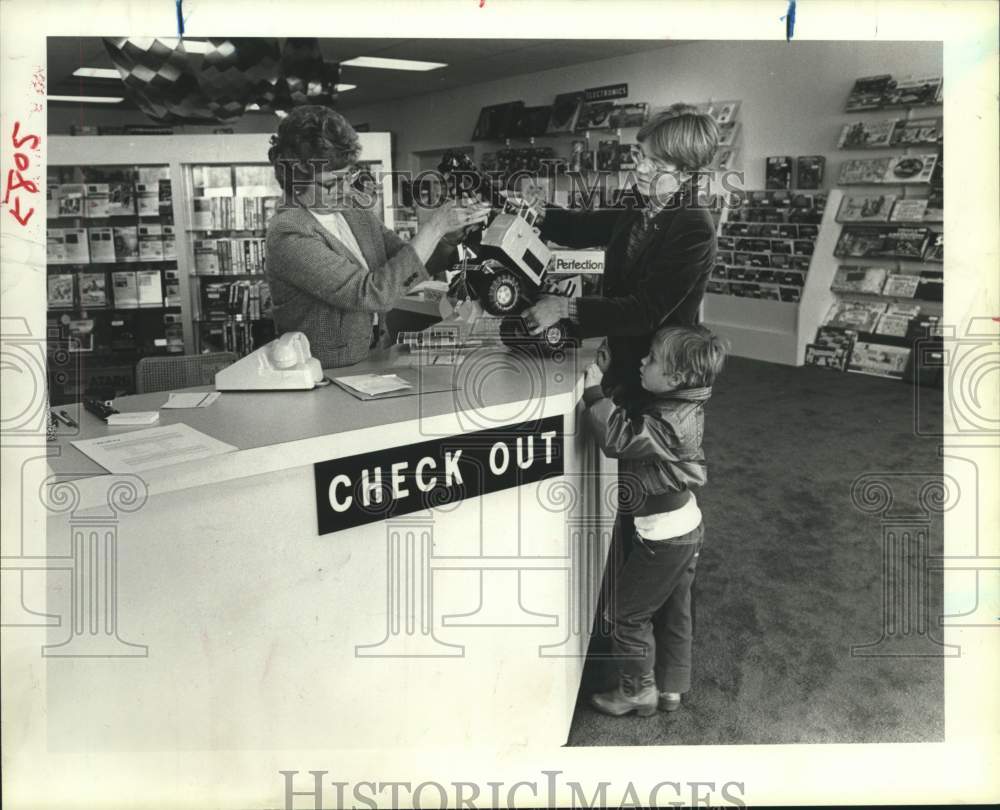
658 254
333 268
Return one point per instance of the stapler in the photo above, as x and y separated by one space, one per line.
284 364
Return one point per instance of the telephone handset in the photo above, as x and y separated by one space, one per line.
283 364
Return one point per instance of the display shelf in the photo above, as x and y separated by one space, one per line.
777 331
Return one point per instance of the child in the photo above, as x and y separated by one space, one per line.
658 448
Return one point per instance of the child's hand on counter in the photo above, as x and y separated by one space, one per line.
604 356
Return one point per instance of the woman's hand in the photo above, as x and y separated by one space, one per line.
448 219
547 311
452 217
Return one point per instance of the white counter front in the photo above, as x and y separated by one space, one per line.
207 606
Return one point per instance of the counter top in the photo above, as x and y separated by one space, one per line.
275 430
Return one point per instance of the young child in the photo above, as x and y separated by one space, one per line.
658 448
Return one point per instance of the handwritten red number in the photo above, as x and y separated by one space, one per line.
18 144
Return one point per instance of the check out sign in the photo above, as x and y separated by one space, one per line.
370 487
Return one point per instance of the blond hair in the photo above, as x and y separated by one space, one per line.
691 351
682 135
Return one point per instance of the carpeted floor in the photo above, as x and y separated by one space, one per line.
791 573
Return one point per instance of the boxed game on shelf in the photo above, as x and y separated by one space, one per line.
55 246
102 244
909 210
71 199
859 279
565 112
126 289
93 290
879 359
81 334
831 348
126 243
917 132
150 241
150 289
863 242
895 322
595 115
867 134
860 316
919 92
495 121
121 199
899 169
629 115
935 250
901 285
778 173
865 207
169 242
809 170
868 92
75 242
60 290
97 200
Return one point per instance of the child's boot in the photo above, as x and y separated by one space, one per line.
670 701
636 693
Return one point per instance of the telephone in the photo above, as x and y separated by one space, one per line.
283 364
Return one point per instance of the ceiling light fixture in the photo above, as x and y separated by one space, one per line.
391 64
343 88
88 99
97 73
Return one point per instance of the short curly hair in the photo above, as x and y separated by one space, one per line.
310 133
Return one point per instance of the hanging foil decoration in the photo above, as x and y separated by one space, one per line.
171 85
237 72
305 77
158 78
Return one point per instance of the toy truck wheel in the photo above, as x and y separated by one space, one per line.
503 294
558 336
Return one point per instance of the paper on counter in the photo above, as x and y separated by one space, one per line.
140 450
374 384
202 400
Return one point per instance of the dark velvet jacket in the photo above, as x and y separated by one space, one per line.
662 284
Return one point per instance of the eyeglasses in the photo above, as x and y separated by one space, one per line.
346 177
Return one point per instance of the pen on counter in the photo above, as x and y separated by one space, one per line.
68 419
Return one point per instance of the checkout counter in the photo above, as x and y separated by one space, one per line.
245 602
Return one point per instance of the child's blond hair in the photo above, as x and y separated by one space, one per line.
691 351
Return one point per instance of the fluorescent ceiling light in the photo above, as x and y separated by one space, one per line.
88 99
97 73
392 64
343 88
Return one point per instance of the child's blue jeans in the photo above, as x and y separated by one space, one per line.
652 627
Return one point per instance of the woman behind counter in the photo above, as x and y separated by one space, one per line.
334 269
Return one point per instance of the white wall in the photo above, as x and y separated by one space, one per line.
793 94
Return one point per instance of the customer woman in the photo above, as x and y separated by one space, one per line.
658 253
333 268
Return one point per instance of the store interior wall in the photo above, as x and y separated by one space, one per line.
792 96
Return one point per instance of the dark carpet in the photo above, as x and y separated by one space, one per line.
790 576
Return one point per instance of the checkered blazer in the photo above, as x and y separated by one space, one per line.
318 287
